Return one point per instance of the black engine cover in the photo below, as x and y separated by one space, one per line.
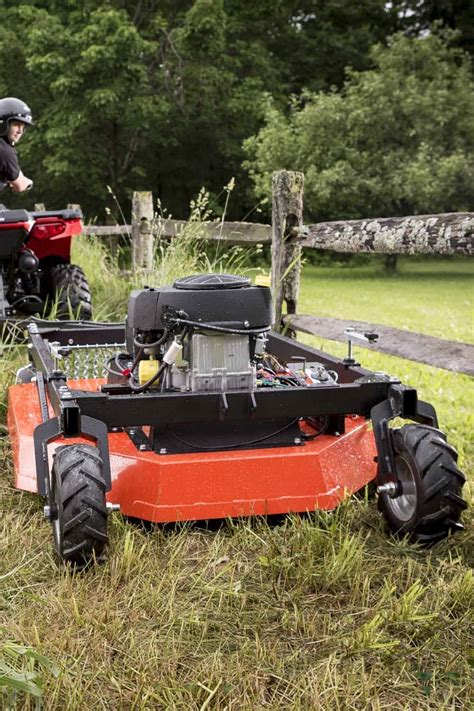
217 299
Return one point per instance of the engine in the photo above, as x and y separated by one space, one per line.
207 334
203 333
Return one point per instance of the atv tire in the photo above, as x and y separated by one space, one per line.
70 289
430 504
79 511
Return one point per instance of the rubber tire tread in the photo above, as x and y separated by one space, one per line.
69 286
438 483
78 482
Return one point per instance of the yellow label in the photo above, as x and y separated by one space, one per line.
263 280
146 370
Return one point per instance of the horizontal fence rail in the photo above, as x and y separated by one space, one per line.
239 233
445 234
448 233
438 352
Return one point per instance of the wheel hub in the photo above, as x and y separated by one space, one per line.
403 504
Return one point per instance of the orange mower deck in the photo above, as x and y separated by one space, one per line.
177 487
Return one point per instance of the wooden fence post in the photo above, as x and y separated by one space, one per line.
287 214
142 233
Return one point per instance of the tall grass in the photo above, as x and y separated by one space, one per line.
323 611
183 255
111 287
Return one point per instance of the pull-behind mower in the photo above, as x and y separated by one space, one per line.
195 410
35 269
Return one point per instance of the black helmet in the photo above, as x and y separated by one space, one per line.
12 109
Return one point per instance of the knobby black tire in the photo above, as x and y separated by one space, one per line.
437 482
79 514
70 289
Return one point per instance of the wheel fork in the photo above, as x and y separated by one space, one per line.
402 401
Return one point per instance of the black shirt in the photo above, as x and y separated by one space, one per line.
9 167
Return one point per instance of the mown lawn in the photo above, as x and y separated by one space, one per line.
317 612
432 296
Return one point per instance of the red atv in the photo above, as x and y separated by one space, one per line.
36 275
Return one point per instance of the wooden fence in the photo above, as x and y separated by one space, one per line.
447 234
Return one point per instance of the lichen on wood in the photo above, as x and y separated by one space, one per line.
142 233
447 233
287 214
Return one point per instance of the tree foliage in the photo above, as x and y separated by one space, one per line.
95 101
161 94
397 140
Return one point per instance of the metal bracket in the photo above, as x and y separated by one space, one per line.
253 403
353 335
223 406
50 430
43 401
55 376
403 402
139 439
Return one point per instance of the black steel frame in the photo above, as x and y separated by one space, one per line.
374 396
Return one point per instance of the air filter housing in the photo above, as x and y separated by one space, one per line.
218 299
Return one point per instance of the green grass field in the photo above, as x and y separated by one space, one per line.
318 612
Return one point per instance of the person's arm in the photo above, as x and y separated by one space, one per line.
21 183
10 170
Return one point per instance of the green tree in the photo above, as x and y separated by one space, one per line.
222 56
96 103
397 140
416 17
214 78
162 95
318 39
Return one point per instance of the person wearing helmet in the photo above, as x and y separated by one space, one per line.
15 116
